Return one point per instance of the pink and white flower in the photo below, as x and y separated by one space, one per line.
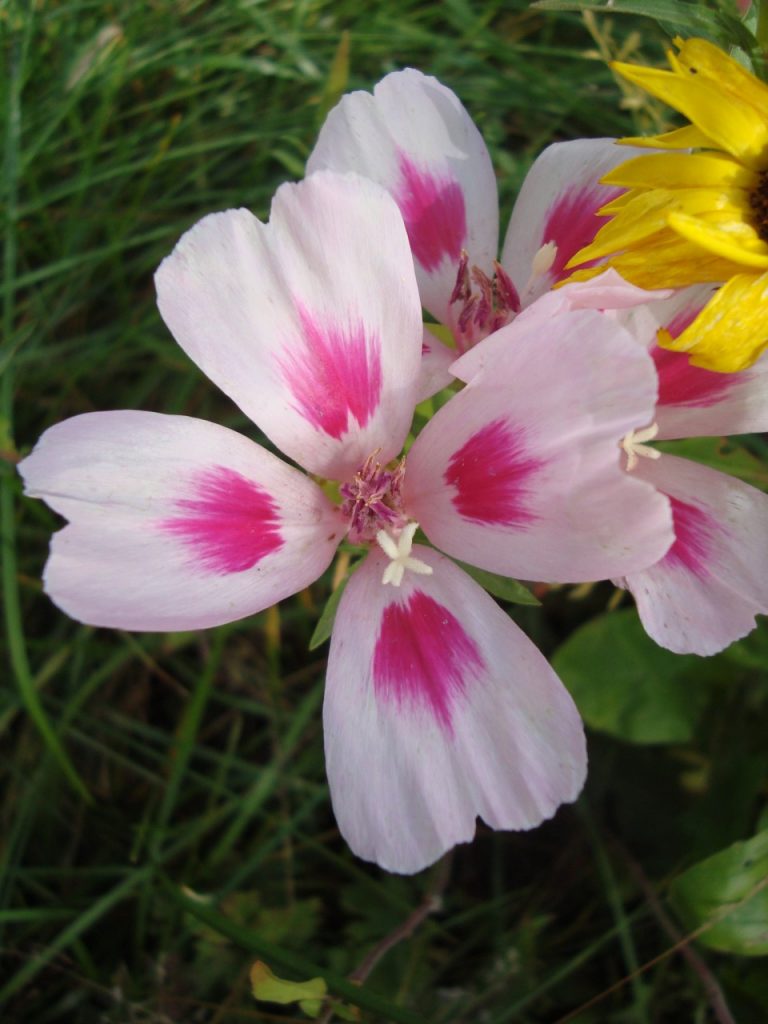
414 137
706 590
437 708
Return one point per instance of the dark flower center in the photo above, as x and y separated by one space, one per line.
758 200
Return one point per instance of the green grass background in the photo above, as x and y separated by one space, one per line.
165 816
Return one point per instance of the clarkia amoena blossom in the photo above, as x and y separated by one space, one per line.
414 137
437 708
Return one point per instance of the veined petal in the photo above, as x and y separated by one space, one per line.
706 591
681 170
175 523
439 709
731 331
667 260
736 127
415 138
311 329
733 241
557 206
520 473
687 137
646 214
699 57
694 402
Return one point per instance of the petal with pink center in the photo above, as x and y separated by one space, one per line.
694 402
174 523
314 332
439 709
415 138
520 473
557 207
706 591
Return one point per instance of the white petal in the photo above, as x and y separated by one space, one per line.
175 523
415 138
694 402
521 472
439 709
706 591
311 328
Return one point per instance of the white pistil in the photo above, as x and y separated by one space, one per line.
635 447
398 549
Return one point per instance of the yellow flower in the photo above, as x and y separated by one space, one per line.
702 216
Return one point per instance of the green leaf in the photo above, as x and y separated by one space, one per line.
268 987
503 587
626 685
686 17
324 626
721 453
728 891
338 78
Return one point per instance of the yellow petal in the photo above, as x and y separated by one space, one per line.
735 127
731 331
666 260
681 170
648 212
687 137
700 57
730 243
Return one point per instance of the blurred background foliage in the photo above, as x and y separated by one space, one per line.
165 817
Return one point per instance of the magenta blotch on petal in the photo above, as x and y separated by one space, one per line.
423 657
334 373
682 383
492 473
572 223
694 529
434 214
230 526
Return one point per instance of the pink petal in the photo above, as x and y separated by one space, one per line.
558 202
520 473
174 523
311 329
624 303
706 591
415 138
694 402
439 709
434 374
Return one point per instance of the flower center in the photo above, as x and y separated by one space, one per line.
758 200
373 500
486 303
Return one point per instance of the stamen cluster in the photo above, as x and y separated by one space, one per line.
373 500
487 303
